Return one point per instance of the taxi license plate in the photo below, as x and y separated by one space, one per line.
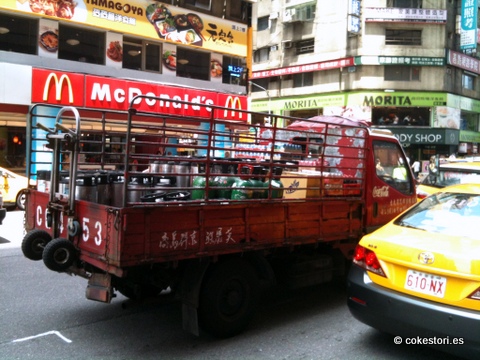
426 283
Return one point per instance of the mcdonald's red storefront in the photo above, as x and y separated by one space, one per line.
42 86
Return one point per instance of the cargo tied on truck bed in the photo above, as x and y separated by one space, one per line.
197 200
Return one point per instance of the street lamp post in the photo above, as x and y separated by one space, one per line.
269 99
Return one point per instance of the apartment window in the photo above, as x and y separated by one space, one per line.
468 81
141 55
237 10
303 79
21 35
304 46
401 73
261 55
262 23
303 12
403 37
79 44
201 4
405 3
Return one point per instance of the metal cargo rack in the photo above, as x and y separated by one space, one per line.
152 159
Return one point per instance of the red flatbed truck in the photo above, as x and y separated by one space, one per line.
212 210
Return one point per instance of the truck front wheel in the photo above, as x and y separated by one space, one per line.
228 298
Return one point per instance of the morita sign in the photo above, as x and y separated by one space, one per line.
96 92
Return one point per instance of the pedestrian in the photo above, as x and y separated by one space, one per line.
432 171
416 168
66 161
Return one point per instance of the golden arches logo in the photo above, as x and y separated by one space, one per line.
232 102
58 87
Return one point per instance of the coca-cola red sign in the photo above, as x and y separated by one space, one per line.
380 191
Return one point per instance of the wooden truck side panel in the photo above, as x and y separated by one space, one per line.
167 234
112 239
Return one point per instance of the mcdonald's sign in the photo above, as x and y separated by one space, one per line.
57 88
234 104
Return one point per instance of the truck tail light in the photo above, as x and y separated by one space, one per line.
367 260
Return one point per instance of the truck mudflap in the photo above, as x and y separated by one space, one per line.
100 288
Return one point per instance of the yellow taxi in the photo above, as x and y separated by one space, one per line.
449 174
11 187
3 211
418 277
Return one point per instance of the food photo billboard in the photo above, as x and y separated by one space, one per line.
145 18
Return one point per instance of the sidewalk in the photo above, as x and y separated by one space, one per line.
11 231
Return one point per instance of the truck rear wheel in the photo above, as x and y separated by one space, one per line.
59 254
228 298
34 243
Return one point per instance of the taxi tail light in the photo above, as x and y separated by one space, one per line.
421 195
475 295
367 260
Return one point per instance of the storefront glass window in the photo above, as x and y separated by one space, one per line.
141 55
12 148
202 4
193 64
132 54
78 44
233 71
152 57
19 35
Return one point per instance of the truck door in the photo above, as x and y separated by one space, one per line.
391 183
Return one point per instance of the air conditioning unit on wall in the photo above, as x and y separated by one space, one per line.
287 44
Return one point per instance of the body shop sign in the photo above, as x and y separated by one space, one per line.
95 92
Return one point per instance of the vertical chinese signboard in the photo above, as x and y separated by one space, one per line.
468 34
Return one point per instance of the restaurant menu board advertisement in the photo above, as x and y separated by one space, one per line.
146 18
447 117
169 59
48 38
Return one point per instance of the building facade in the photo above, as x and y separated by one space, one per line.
411 66
99 54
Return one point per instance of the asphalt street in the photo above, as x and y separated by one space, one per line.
45 316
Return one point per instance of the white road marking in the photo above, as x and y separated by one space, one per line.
45 334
